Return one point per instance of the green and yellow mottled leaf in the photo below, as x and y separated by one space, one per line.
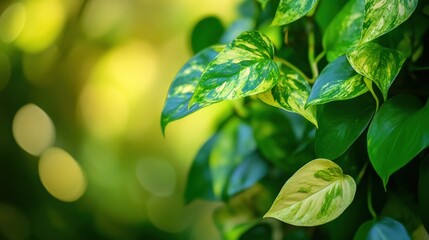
291 94
245 67
398 132
183 86
291 10
316 194
377 63
381 16
337 81
344 32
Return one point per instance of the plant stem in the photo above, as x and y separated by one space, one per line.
361 173
369 201
311 60
368 83
291 66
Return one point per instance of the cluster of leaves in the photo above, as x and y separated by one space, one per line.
364 112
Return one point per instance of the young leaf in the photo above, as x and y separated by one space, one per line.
337 81
291 93
398 132
183 86
344 32
316 194
199 183
290 10
381 16
340 124
383 228
377 63
245 67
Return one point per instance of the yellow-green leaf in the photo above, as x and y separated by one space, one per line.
316 194
291 94
382 16
245 67
377 63
292 10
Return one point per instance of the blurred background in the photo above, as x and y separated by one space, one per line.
82 86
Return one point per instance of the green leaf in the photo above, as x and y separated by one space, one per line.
245 67
383 16
199 183
344 32
340 124
423 191
398 132
377 63
381 229
316 194
183 86
291 10
291 93
337 81
207 32
263 3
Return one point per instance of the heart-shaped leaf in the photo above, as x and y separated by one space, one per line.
381 16
344 32
207 32
337 81
316 194
291 93
398 132
291 10
340 124
380 229
183 86
245 67
377 63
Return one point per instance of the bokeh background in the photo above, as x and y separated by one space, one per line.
82 86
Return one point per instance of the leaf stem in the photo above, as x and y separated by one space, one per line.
361 173
369 201
368 84
293 67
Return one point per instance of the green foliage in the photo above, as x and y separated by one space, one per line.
357 44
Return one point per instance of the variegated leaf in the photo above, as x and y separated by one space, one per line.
344 32
245 67
377 63
381 16
291 93
183 86
291 10
337 81
316 194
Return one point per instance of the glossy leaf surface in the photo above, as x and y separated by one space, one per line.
380 229
344 32
291 93
377 63
290 10
398 132
245 67
337 81
382 16
340 124
183 86
316 194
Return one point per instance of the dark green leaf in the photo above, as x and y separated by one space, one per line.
245 67
236 28
423 191
291 93
199 183
340 124
381 229
337 81
383 16
183 86
291 10
206 32
377 63
398 132
323 16
259 231
344 31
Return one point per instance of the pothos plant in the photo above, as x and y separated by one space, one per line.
329 96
